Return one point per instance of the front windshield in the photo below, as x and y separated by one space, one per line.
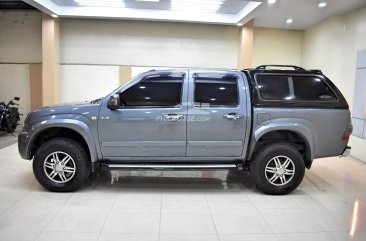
128 83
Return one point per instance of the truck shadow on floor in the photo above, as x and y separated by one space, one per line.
210 180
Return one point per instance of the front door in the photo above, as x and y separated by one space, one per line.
217 115
151 120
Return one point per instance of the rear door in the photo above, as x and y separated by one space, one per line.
217 114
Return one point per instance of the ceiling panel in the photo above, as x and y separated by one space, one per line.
201 11
227 7
304 13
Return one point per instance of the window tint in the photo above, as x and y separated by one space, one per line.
216 92
311 88
156 92
273 87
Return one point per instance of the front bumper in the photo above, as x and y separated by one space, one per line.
346 152
22 144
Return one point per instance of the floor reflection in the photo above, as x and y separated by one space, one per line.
330 204
220 180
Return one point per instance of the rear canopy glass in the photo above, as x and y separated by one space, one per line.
293 87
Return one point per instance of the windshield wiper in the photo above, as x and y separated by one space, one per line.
96 100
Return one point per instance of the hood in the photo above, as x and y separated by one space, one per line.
70 109
67 106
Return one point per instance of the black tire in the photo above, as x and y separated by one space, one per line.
265 157
80 161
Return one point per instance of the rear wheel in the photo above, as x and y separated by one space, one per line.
61 165
278 168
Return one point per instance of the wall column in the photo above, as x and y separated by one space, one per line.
50 60
124 74
35 83
246 46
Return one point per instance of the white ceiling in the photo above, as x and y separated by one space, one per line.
222 11
305 13
227 7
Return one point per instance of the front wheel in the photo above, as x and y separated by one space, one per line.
278 168
61 165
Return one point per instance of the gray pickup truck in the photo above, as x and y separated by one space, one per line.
271 120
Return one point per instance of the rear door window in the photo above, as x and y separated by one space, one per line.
216 92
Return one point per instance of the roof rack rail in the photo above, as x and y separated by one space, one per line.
264 67
316 70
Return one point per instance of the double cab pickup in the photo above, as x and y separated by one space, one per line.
271 120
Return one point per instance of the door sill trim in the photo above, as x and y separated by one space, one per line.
178 166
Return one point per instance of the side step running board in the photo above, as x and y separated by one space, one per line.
169 166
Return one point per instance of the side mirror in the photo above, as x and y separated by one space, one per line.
114 102
16 98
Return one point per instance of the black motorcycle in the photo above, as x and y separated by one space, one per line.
9 115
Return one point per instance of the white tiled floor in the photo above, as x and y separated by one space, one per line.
184 206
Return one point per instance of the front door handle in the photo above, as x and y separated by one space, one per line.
104 118
233 116
173 117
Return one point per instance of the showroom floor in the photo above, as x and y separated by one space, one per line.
199 205
7 139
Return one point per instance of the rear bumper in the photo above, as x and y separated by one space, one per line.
346 152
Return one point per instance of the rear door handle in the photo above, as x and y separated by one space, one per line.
233 116
173 117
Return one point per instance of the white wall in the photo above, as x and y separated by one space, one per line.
20 43
87 82
14 81
332 47
143 43
20 37
277 46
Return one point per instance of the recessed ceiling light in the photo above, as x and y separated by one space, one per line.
271 1
196 5
97 3
322 4
289 20
54 15
239 24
